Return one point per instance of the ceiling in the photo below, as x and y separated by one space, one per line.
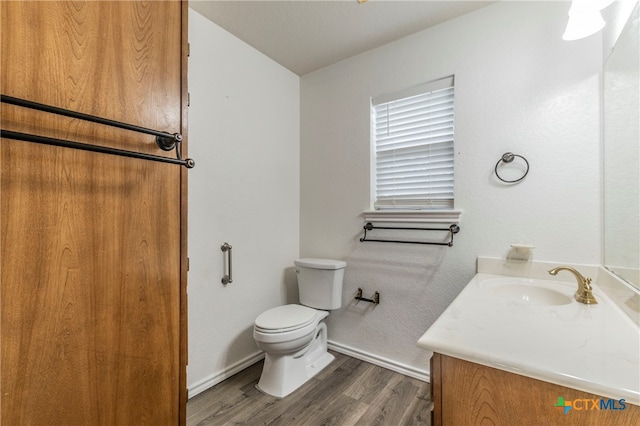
307 35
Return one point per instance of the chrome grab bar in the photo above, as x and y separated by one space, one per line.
227 278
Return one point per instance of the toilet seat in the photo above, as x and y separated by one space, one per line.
287 323
287 318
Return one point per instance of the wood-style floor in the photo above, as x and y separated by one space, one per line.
347 392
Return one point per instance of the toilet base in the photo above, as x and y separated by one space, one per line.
282 374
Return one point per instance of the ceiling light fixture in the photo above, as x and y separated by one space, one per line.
585 18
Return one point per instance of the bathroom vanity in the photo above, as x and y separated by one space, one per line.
515 347
466 393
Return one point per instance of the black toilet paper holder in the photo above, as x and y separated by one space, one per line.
375 300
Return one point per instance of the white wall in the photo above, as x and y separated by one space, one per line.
244 135
616 16
519 88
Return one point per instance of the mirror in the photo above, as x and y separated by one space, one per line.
621 155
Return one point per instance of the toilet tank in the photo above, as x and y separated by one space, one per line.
320 282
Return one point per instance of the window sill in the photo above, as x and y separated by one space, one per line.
413 216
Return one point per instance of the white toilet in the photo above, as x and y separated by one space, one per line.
294 337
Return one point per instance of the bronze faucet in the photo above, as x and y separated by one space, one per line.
583 295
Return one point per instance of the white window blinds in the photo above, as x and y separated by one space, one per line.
413 140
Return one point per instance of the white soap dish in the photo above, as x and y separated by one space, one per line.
523 248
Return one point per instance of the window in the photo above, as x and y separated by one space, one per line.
412 135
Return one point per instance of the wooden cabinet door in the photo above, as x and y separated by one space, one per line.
465 393
92 271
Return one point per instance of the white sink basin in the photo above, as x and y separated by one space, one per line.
509 323
528 291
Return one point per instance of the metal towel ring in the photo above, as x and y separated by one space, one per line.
508 157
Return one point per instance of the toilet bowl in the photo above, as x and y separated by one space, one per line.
295 347
294 337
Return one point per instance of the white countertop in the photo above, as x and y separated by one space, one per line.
592 348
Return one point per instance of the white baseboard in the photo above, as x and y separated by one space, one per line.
380 361
213 380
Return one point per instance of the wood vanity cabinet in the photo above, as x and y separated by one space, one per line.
465 393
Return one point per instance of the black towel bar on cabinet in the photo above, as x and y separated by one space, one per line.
453 229
165 141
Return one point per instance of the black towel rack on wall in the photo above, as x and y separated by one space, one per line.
453 229
165 141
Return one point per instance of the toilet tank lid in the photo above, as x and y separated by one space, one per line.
320 263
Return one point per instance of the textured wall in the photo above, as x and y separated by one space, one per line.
244 135
519 88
